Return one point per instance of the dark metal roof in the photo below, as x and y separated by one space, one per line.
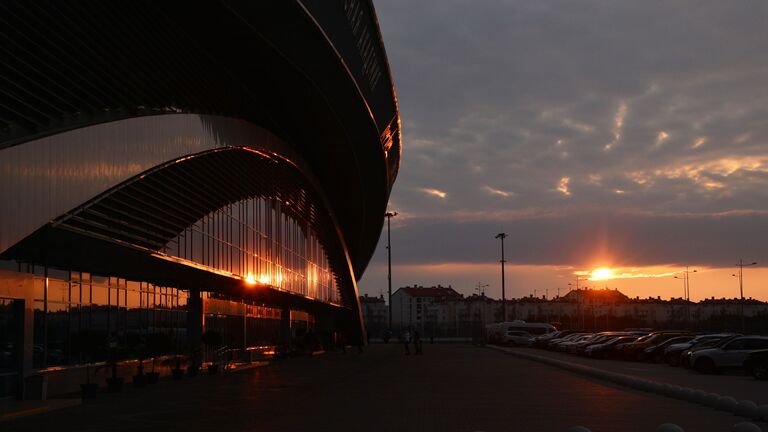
296 69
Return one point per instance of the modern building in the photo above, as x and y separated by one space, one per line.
172 171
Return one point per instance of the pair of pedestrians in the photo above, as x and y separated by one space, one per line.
417 343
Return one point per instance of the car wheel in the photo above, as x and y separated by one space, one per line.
760 371
704 365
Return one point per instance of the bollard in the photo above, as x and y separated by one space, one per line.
669 427
727 403
747 408
746 427
711 400
763 412
700 396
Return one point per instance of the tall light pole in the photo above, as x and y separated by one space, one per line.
580 297
389 216
741 266
502 236
686 289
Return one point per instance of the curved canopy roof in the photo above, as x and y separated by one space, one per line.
314 72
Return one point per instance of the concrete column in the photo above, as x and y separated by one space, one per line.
285 328
195 327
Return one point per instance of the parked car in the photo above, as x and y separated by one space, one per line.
757 364
543 340
730 355
599 338
605 349
555 342
673 351
517 337
685 357
656 352
634 350
563 346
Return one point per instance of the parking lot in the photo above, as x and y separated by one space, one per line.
449 388
723 363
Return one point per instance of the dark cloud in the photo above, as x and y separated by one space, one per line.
502 101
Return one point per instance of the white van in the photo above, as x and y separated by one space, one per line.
500 332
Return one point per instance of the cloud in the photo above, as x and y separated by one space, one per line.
618 125
562 186
436 192
498 192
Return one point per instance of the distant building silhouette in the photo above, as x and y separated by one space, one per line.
444 312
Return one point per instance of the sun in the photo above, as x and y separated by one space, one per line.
601 273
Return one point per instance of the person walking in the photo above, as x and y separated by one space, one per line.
407 342
417 342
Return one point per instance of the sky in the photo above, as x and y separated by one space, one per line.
595 133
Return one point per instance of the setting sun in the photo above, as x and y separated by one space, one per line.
601 273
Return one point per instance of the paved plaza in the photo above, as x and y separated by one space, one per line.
450 388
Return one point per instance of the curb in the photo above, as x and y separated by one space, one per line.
50 405
744 408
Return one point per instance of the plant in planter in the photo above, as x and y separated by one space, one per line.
88 343
212 340
157 345
140 379
177 372
193 366
137 346
114 382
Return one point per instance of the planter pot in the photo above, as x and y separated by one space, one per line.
89 391
140 381
152 377
192 371
177 373
213 369
115 385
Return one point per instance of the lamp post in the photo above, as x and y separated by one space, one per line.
581 299
389 216
686 289
502 236
741 266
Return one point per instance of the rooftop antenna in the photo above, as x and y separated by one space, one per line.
481 289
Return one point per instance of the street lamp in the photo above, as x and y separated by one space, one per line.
581 299
502 236
686 278
741 266
389 216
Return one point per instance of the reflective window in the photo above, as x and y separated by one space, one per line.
256 240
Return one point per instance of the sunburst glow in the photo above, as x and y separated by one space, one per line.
601 273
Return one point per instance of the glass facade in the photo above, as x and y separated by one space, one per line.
253 239
256 240
78 316
225 316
